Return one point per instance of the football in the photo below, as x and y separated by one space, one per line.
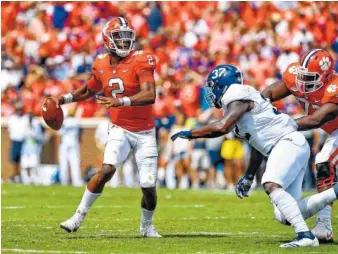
52 114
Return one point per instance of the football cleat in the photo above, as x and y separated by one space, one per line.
73 224
302 240
149 231
323 230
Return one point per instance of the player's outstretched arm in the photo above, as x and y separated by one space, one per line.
234 113
276 91
324 114
82 93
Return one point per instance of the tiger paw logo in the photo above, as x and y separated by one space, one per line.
293 69
325 64
332 88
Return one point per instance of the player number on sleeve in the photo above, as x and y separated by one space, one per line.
150 60
119 83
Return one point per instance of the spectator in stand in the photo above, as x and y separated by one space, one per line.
31 150
232 152
69 148
286 58
17 127
177 152
48 47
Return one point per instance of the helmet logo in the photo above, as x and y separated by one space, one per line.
332 88
293 70
325 63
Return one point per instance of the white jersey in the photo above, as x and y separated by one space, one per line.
263 126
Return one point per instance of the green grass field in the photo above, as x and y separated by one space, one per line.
202 221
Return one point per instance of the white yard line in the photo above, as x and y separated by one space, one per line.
13 207
101 206
43 251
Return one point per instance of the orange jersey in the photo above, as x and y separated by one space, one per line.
313 101
124 79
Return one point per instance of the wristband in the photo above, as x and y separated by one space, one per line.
68 98
125 101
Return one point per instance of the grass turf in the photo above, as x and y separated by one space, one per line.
190 221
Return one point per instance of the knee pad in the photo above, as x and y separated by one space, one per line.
325 175
148 172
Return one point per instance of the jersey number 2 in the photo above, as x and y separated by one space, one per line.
119 83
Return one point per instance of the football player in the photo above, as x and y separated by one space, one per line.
252 117
127 79
315 85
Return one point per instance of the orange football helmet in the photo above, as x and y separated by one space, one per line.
118 36
314 71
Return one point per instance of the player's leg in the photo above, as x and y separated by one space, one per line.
116 152
325 162
309 205
74 163
63 164
279 175
145 152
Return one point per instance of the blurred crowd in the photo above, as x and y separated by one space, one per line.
48 48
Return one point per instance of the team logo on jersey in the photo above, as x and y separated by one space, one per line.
332 88
293 69
325 63
101 72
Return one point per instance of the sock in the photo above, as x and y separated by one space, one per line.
288 207
87 200
325 213
318 202
147 216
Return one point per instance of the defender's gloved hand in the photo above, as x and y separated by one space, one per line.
243 186
182 134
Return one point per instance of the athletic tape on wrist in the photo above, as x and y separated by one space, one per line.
68 98
126 101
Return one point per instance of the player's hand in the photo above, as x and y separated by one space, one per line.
108 102
243 186
59 101
182 134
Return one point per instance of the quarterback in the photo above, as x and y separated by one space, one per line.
273 134
127 79
315 85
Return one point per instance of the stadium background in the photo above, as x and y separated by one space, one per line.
48 47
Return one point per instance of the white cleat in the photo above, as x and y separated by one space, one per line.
149 231
302 241
73 224
323 230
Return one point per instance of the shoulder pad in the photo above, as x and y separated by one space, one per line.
237 92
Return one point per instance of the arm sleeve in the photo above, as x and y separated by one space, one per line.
145 69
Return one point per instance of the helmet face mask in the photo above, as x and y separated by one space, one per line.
118 39
308 82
